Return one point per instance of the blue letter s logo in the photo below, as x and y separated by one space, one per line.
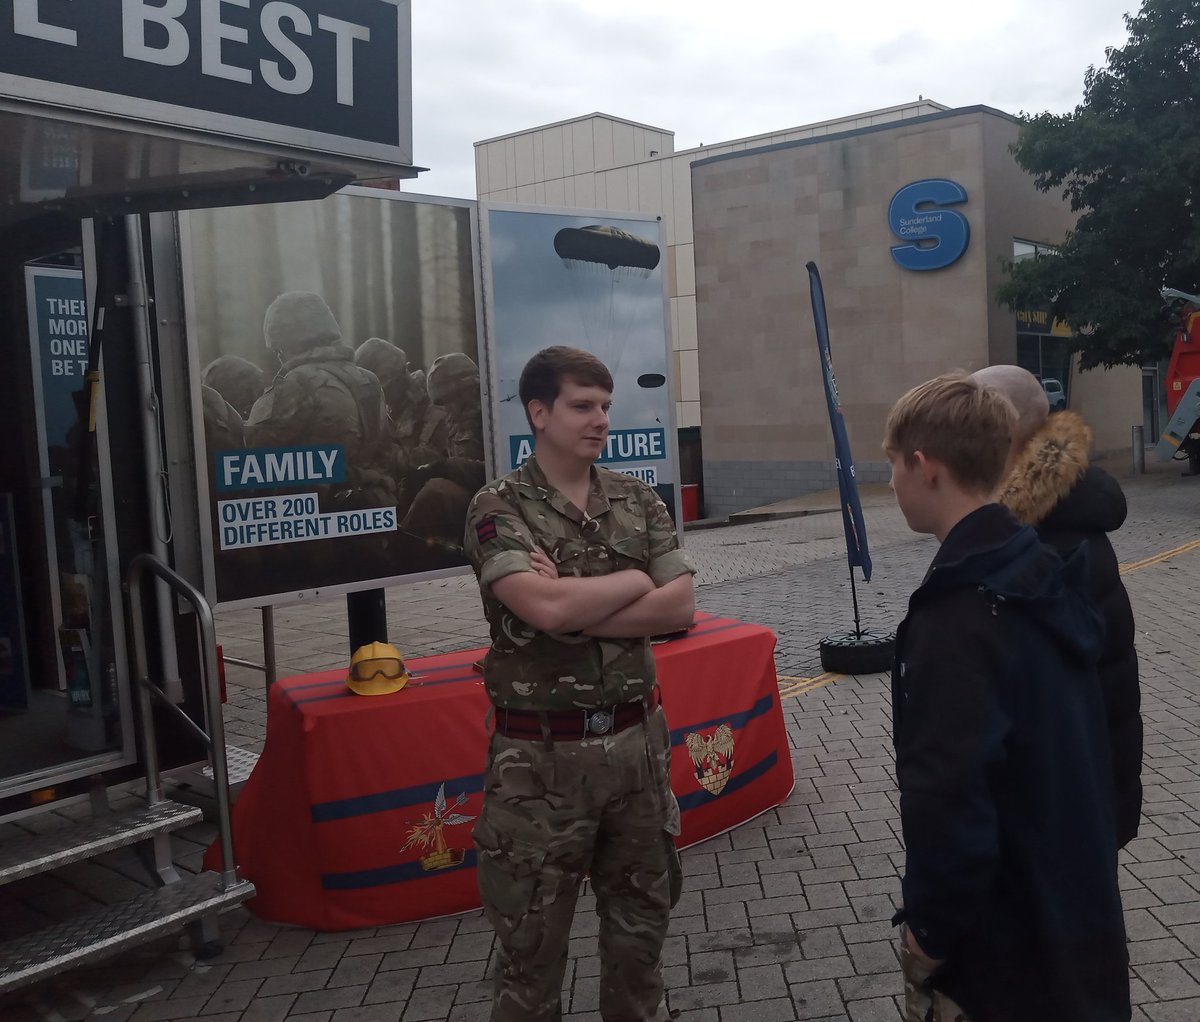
947 229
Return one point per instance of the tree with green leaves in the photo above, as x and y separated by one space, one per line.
1128 161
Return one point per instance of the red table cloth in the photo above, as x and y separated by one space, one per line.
359 811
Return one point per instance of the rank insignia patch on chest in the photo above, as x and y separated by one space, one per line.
485 529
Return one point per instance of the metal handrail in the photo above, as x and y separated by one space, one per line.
214 738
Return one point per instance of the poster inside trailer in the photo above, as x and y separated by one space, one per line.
596 284
58 333
336 349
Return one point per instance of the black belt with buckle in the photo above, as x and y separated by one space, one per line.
575 725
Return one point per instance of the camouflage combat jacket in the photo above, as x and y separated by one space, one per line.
322 397
625 526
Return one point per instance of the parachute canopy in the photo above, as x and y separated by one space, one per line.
607 246
608 272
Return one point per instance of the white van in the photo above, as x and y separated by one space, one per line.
1055 393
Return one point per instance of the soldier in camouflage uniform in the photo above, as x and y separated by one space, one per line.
223 426
237 380
420 429
577 567
229 386
321 397
443 488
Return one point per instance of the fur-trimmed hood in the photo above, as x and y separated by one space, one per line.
1053 484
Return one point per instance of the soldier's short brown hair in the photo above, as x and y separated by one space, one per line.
542 377
958 421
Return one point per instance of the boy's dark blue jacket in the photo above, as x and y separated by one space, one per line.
1005 780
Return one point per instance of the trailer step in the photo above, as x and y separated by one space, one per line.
198 777
113 928
239 762
38 853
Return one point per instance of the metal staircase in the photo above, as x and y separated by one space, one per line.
193 900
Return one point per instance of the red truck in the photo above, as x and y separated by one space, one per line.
1181 438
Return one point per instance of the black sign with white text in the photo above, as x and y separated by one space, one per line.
333 75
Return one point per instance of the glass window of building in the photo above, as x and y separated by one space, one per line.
1043 343
1023 250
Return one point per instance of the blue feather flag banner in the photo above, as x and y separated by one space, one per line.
852 516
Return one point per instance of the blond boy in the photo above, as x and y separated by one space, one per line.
1010 903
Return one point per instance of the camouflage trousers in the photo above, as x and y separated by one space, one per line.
553 813
921 1002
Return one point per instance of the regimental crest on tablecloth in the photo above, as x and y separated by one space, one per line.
431 833
712 756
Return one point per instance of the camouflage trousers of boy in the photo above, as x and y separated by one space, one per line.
921 1002
552 813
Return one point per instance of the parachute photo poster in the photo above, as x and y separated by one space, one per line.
335 352
595 282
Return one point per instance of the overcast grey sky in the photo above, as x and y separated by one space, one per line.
713 71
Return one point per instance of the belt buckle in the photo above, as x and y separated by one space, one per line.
599 722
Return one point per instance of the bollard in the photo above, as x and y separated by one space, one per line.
1139 450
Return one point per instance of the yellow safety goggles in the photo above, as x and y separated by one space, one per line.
379 667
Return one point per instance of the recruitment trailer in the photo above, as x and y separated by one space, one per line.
114 116
237 378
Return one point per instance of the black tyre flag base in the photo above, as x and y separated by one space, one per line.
857 652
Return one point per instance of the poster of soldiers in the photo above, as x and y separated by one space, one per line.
336 345
595 284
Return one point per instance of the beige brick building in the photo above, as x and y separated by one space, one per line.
742 218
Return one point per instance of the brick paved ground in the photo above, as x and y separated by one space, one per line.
786 917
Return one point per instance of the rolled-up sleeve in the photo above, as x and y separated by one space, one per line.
501 563
667 560
496 539
670 566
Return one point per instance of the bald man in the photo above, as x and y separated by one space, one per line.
1050 484
1025 392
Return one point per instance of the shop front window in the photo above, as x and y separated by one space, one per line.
1049 359
1043 342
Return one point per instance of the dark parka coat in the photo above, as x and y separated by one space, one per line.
1053 488
1004 775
